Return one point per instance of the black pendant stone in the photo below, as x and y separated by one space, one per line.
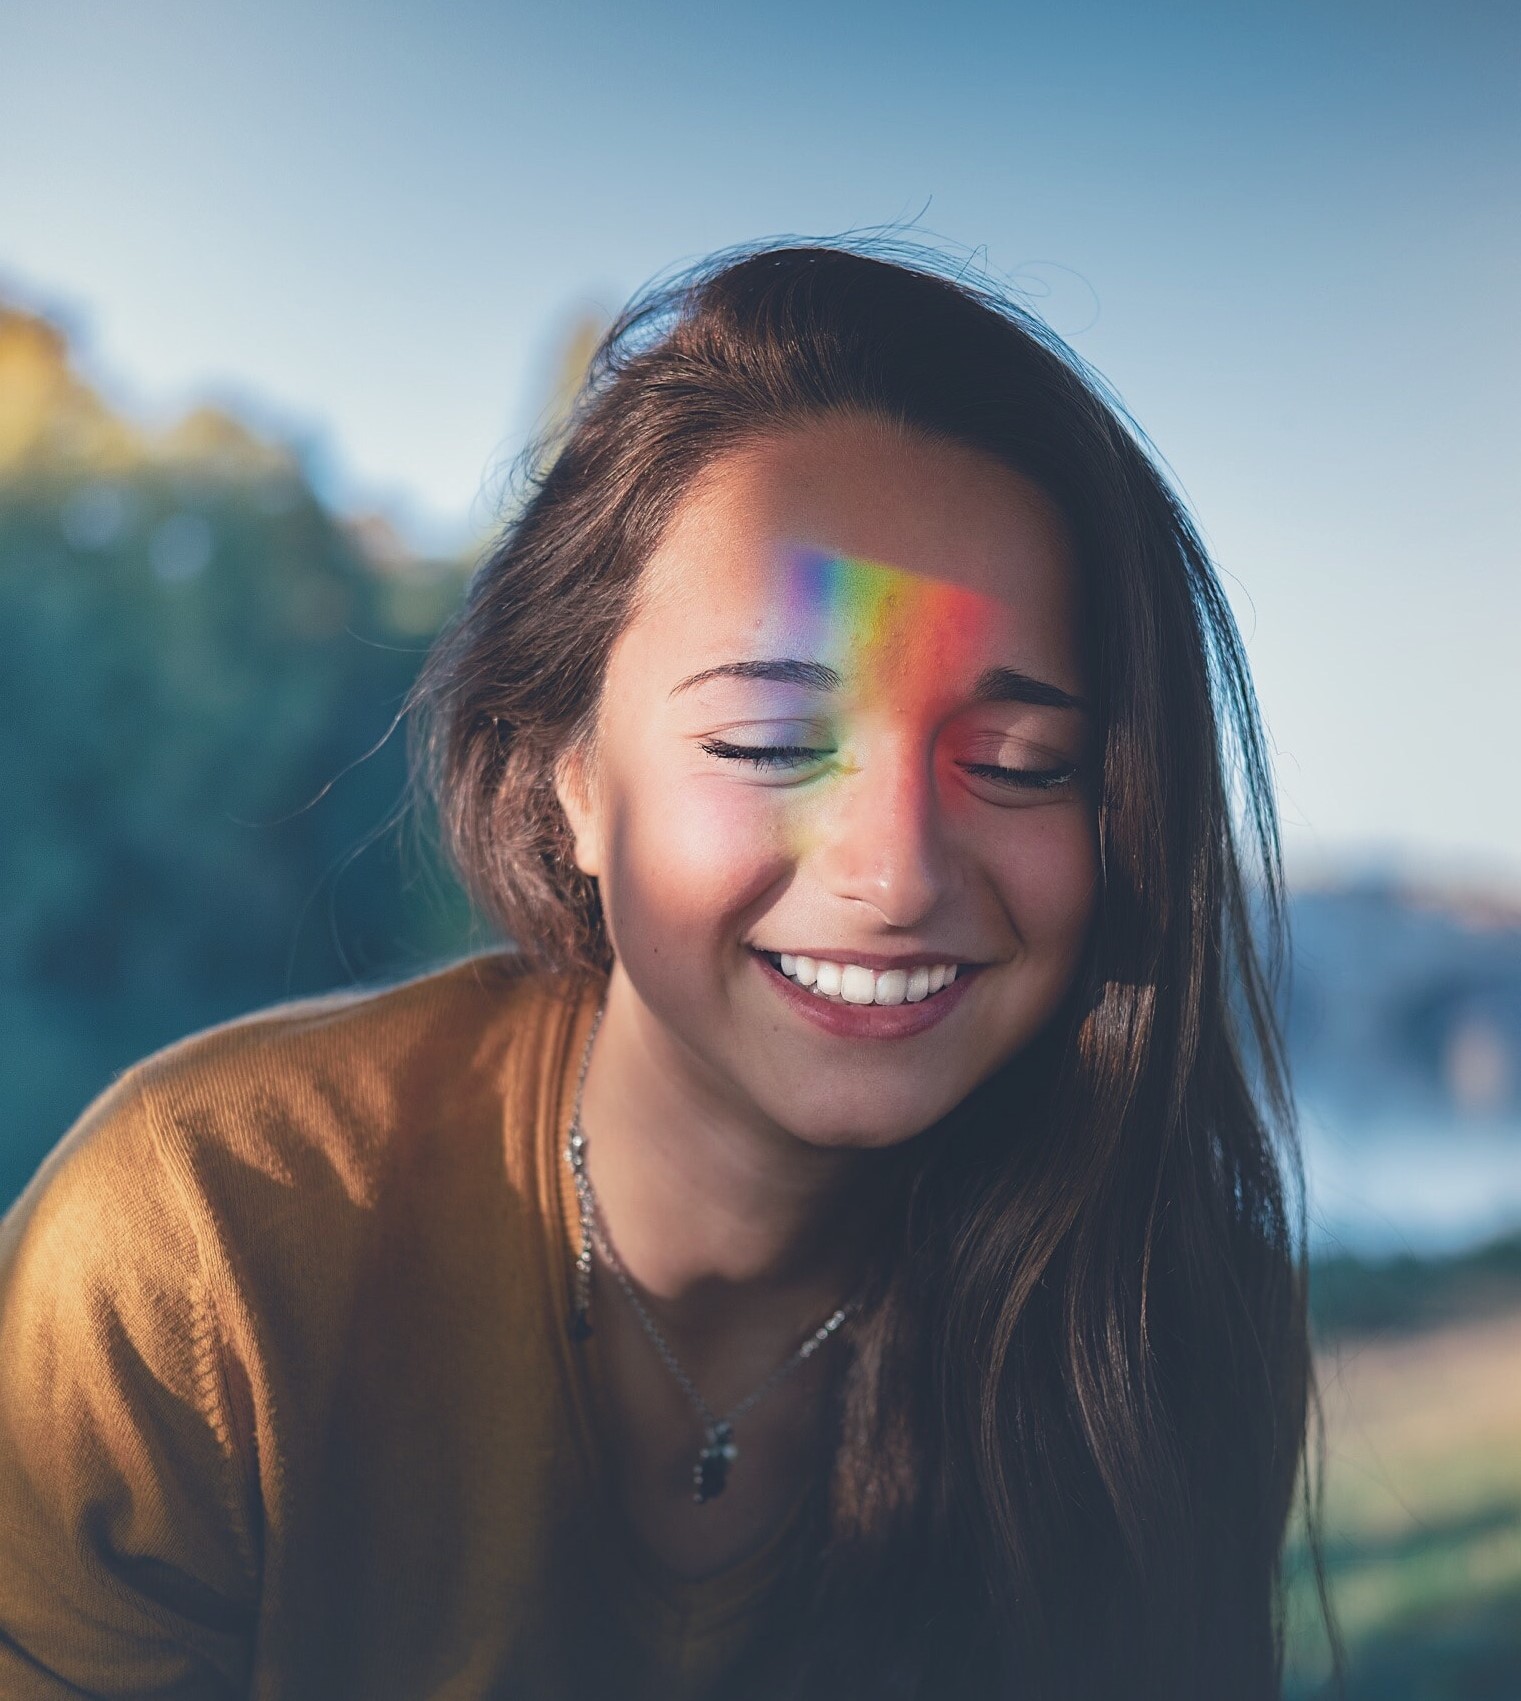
579 1326
711 1472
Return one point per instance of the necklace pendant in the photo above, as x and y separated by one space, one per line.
711 1471
579 1326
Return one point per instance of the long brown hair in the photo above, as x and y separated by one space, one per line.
1076 1406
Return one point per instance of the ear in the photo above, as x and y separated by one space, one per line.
577 794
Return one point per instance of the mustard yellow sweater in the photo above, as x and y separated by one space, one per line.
287 1403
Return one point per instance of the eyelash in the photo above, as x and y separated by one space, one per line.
761 755
790 755
1026 779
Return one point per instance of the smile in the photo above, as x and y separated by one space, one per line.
855 983
868 1004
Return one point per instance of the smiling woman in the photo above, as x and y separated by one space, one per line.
841 1249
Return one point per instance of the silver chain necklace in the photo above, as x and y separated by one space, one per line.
710 1470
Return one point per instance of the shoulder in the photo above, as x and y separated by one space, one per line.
357 1046
227 1193
77 1227
331 1081
276 1132
180 1281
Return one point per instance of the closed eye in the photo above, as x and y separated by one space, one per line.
764 755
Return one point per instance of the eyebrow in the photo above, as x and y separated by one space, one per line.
816 676
1009 685
994 684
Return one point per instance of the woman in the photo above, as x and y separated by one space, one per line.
841 1251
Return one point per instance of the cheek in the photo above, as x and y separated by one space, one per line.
1047 871
685 863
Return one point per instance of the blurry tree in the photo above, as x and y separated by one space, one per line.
202 668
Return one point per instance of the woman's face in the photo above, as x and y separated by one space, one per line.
845 724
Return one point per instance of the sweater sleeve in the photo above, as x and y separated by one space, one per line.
127 1539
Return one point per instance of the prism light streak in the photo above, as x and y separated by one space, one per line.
896 637
890 628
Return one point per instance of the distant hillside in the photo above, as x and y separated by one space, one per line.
1352 1296
1407 999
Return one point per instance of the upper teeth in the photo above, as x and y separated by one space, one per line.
857 985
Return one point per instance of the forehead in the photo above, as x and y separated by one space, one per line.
848 539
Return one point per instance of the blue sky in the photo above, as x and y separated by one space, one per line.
1287 234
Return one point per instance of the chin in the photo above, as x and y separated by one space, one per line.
867 1130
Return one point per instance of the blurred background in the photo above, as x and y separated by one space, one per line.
283 290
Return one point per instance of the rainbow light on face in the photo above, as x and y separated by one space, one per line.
893 634
901 641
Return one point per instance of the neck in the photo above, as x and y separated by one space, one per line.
712 1208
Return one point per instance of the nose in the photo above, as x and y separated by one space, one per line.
879 842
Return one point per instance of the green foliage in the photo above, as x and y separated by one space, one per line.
202 673
1351 1296
1423 1520
1417 1367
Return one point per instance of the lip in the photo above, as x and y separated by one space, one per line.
869 1021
